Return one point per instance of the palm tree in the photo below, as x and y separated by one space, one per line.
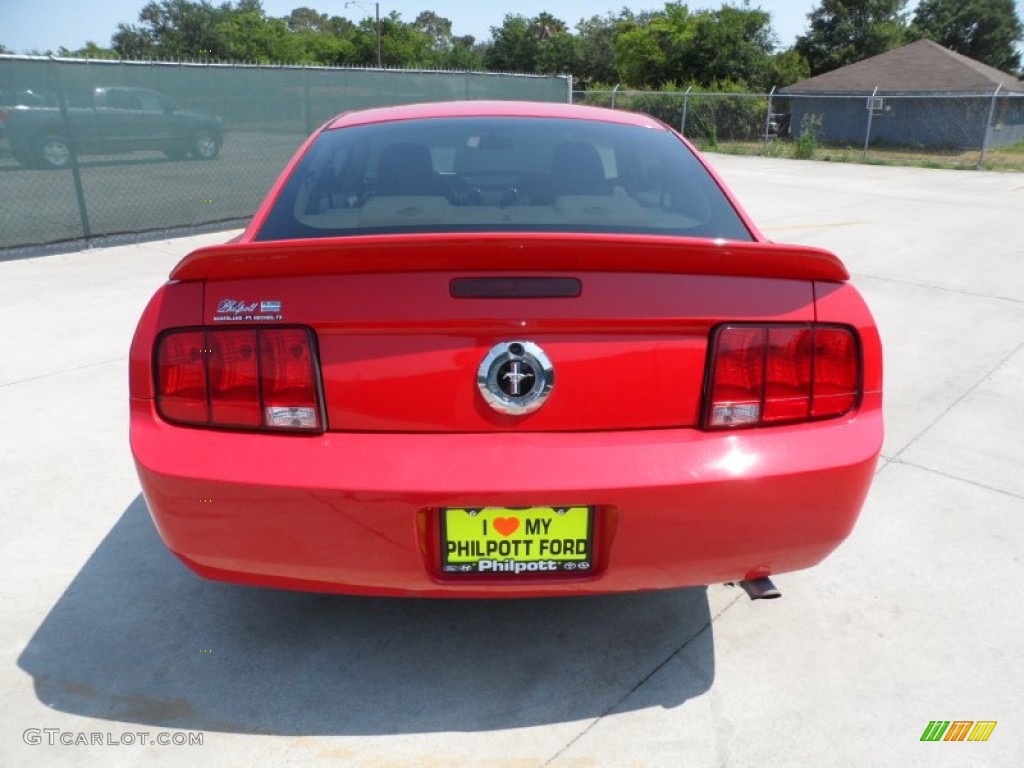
547 26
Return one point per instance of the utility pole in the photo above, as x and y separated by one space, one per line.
376 14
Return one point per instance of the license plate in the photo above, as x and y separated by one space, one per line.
507 541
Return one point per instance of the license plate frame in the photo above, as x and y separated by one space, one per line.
552 540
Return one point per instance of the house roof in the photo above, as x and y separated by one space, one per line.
921 67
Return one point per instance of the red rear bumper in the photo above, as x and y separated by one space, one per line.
358 513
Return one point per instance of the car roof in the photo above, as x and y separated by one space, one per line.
492 109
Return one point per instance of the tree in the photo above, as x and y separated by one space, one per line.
789 67
403 45
845 31
652 49
732 44
307 20
241 31
556 48
251 36
174 29
444 50
547 26
319 39
985 30
89 51
187 29
558 54
465 54
133 42
649 46
437 28
515 46
595 57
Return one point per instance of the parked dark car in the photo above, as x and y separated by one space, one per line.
109 121
15 99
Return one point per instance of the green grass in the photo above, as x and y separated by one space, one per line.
1013 149
1009 158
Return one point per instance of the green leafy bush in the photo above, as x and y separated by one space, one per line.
806 145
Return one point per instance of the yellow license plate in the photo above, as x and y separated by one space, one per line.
529 540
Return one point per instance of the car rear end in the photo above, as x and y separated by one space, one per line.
533 386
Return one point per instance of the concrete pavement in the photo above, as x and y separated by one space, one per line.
914 619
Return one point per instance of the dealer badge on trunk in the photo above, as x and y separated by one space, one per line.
515 377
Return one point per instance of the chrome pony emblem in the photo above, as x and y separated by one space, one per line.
515 377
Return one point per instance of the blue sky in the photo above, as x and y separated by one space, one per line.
41 25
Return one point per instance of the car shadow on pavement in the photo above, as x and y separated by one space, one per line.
138 638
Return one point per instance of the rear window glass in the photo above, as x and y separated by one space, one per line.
500 175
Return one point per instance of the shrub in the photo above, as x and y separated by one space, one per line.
806 145
711 137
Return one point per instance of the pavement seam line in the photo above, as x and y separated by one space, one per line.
615 705
947 475
970 390
883 463
61 373
930 286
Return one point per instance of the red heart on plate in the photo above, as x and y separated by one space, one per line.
506 526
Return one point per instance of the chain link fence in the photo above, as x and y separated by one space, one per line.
960 130
93 148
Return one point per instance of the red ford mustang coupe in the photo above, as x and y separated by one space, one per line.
492 349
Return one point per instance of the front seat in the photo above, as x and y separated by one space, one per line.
405 169
576 169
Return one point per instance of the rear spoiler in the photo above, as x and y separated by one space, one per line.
497 252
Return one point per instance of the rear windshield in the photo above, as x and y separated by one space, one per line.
500 175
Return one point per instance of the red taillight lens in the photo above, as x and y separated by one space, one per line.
836 372
770 374
289 386
233 367
181 377
737 389
787 395
253 378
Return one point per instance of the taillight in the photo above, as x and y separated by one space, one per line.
181 377
248 378
781 373
288 381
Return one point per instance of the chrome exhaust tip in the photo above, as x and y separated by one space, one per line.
760 589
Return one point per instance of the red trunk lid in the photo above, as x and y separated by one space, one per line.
403 327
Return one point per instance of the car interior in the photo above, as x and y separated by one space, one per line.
490 174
